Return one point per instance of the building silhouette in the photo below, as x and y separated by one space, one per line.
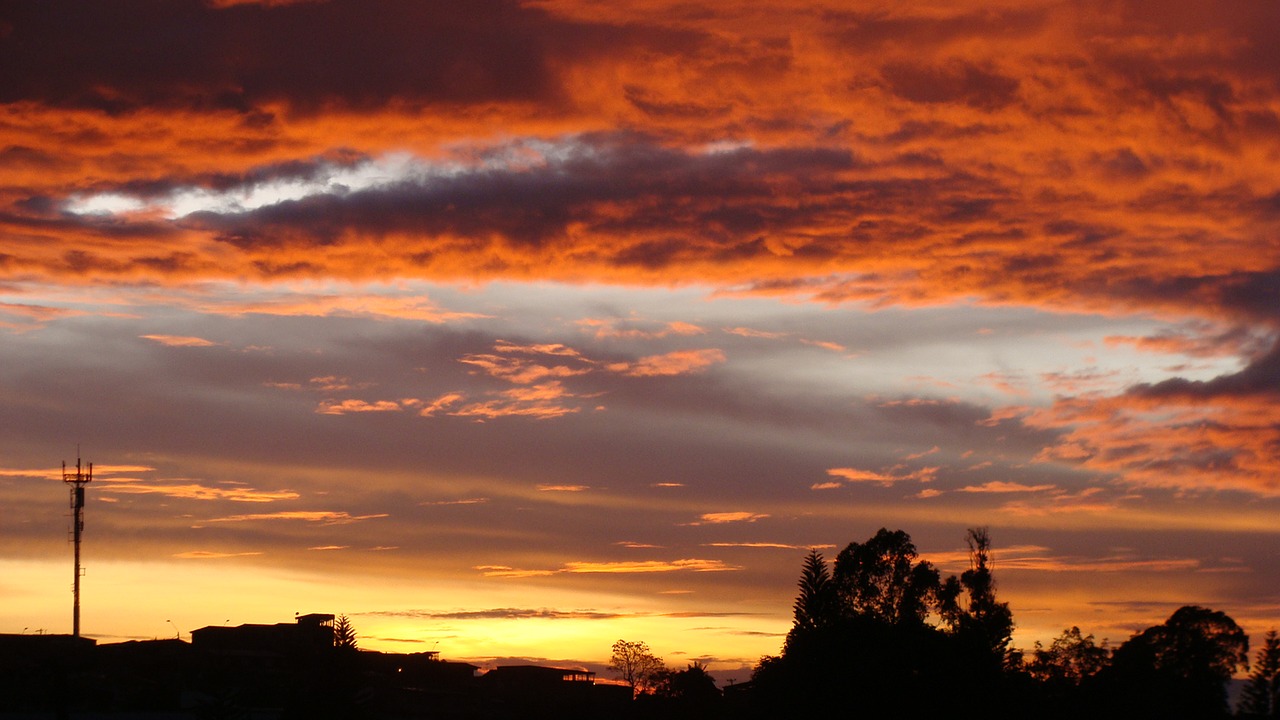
280 671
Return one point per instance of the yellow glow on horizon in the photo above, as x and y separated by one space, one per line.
130 600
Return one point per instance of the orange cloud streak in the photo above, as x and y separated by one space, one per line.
193 491
625 567
179 340
321 516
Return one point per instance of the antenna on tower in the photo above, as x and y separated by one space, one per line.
77 480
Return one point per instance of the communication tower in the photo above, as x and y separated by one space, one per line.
77 480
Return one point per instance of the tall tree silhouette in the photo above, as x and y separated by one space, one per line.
880 579
815 606
985 624
344 635
1262 694
873 649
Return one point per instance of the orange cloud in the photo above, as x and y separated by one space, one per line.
179 340
917 456
1045 503
825 345
626 567
55 473
1198 340
678 362
344 407
463 501
554 349
752 333
331 383
1037 558
1000 486
648 566
637 329
324 517
441 403
1118 564
719 518
302 304
48 474
212 555
195 491
854 475
505 571
519 370
543 401
1217 435
935 217
767 546
1007 383
36 315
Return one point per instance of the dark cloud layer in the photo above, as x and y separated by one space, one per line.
307 56
728 196
1260 380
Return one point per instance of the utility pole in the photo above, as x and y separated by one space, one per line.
77 480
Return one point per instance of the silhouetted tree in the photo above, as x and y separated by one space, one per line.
1070 658
880 579
1262 694
692 682
815 607
344 635
1178 668
688 693
985 624
636 665
873 650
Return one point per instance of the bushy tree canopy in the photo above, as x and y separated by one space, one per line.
1181 665
880 579
863 640
636 665
1072 657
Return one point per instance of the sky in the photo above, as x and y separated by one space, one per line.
509 329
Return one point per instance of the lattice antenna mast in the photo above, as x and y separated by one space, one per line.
77 480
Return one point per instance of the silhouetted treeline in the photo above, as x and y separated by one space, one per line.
881 634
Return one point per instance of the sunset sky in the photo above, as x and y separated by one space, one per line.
512 328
